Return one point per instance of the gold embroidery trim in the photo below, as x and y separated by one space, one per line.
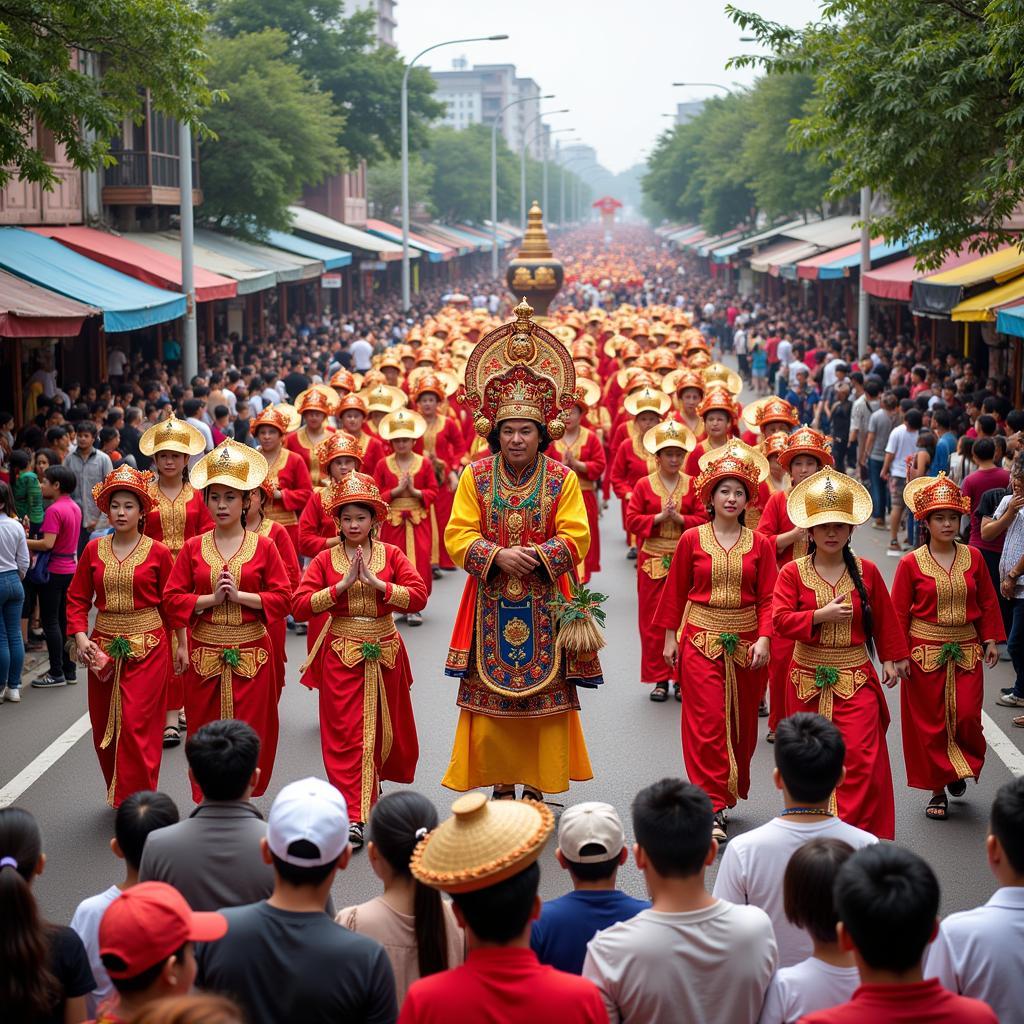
832 634
951 587
726 566
143 620
228 636
173 515
850 675
119 576
362 598
228 613
322 600
400 596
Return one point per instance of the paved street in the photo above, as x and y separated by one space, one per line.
632 742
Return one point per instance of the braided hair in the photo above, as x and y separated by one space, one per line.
867 618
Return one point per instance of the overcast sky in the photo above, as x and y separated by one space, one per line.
612 63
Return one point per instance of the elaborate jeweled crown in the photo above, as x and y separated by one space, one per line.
317 398
776 410
354 488
336 446
272 416
807 441
124 478
737 461
929 494
718 399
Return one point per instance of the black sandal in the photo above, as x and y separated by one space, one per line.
172 738
938 808
957 788
762 709
660 693
677 692
718 828
355 834
503 793
529 793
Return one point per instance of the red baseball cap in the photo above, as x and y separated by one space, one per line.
148 923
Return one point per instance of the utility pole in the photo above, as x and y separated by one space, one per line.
189 340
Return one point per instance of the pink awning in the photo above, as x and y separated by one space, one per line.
30 311
896 280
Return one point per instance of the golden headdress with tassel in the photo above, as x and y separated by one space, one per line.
928 494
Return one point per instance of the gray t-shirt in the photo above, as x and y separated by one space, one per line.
880 424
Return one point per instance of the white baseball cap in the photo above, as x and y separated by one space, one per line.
313 810
590 824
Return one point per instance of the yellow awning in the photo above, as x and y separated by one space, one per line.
997 266
984 306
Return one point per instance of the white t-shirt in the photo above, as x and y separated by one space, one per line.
828 373
711 965
795 367
754 863
784 352
902 444
362 353
977 953
116 361
86 923
806 987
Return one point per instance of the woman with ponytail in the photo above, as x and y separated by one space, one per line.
416 927
44 969
836 609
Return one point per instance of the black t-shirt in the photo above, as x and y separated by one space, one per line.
286 966
70 965
295 383
989 502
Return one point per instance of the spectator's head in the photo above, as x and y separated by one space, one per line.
85 434
110 438
193 1009
591 844
191 406
222 758
141 813
28 988
398 822
808 884
57 480
42 460
146 941
984 450
912 419
985 424
890 403
872 387
1005 841
307 836
809 755
20 461
672 822
887 899
941 420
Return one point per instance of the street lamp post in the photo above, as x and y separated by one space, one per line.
494 174
406 301
707 85
561 197
522 162
542 134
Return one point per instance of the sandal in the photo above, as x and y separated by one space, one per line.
762 709
718 828
957 788
172 738
529 793
182 724
770 738
355 834
677 692
660 693
503 793
938 808
1018 721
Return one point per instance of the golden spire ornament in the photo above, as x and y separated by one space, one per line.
535 273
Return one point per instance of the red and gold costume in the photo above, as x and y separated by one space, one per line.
231 658
674 385
719 603
831 671
126 708
288 474
519 718
656 544
717 399
946 617
367 728
316 527
319 398
407 524
370 445
632 462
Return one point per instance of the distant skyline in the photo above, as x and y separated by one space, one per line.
613 68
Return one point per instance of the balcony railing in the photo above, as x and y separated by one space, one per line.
132 170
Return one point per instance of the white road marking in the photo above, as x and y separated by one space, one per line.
32 772
1001 745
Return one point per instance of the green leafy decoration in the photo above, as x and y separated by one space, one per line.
950 652
232 657
666 561
371 650
119 647
582 604
729 642
825 675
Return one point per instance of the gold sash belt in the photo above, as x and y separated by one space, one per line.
829 672
228 659
951 647
412 512
142 620
660 551
718 637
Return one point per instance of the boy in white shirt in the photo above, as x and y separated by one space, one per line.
809 755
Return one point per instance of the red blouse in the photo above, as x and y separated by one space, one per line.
173 522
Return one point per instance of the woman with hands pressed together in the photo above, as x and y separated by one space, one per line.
128 655
836 609
367 728
226 586
949 613
715 611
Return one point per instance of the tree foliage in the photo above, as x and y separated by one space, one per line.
341 54
140 44
923 102
384 185
276 133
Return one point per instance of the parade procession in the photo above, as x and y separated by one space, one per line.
598 601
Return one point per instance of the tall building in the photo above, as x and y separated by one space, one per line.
386 20
478 94
686 112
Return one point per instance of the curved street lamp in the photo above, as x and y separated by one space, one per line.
522 162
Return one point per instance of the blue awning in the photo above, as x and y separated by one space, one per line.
332 259
879 251
127 303
1010 321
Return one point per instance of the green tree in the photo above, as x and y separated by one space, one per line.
670 168
384 185
46 47
721 180
923 102
276 134
343 57
462 174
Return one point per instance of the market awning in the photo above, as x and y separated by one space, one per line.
440 234
837 263
509 231
484 234
786 250
287 267
895 281
249 279
127 303
937 294
309 222
685 235
28 311
124 253
985 306
1011 321
436 252
708 244
332 259
722 254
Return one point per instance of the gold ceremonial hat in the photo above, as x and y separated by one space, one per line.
384 398
172 435
828 497
346 380
681 379
735 460
740 449
719 375
669 434
807 441
354 489
588 394
318 398
773 444
336 446
402 423
718 399
230 464
281 416
124 478
770 409
928 494
647 399
483 843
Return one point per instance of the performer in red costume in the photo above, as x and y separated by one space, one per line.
338 455
315 405
686 387
287 472
352 412
719 412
